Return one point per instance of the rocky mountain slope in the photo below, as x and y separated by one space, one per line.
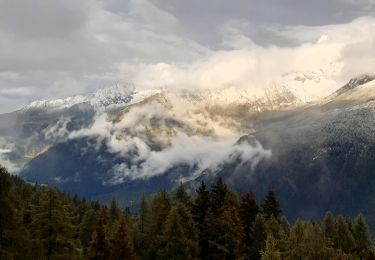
120 141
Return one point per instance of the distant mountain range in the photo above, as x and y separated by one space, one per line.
311 142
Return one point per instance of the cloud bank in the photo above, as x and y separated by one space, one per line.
153 139
72 47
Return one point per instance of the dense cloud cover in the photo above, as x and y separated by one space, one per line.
155 139
62 48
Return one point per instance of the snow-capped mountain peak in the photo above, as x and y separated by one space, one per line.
103 99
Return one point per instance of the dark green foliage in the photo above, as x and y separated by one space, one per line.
218 193
141 238
99 248
6 215
113 212
271 252
87 229
225 229
200 210
179 240
248 211
121 246
259 237
271 206
37 222
53 229
362 236
160 208
182 196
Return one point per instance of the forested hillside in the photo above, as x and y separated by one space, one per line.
39 222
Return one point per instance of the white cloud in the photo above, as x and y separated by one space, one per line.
180 141
69 47
334 53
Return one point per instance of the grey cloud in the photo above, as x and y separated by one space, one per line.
38 18
58 48
179 141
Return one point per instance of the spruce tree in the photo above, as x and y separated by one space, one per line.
179 240
225 230
141 238
271 252
160 208
260 236
329 226
87 228
362 236
271 206
53 228
99 249
113 212
6 215
182 196
121 245
307 241
200 209
248 211
218 192
344 239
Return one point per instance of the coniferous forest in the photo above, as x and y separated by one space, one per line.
38 222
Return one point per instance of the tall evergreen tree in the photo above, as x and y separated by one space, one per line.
225 230
362 236
218 192
329 226
113 212
344 239
142 226
99 249
6 215
271 206
271 252
53 228
182 196
87 228
307 241
121 245
160 208
179 239
260 236
200 209
248 211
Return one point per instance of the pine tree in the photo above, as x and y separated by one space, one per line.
307 241
218 192
179 239
362 236
142 226
160 208
260 236
248 211
329 226
274 228
113 212
87 228
200 209
271 252
223 230
99 249
53 228
6 215
344 239
182 196
121 245
271 206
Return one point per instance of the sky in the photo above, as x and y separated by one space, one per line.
54 49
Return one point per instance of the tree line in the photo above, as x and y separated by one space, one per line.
39 222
